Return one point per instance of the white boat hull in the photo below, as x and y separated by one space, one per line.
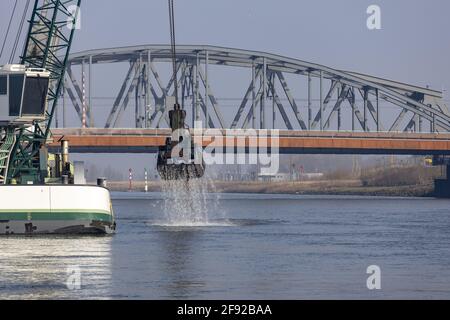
61 209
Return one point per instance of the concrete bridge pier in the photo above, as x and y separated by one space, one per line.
442 186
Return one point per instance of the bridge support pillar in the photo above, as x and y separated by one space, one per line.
442 186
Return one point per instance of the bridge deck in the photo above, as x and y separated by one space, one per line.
290 142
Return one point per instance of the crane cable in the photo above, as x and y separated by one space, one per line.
9 27
19 33
173 48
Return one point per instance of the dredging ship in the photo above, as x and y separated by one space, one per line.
42 193
50 195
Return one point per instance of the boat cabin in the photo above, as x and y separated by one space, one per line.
23 94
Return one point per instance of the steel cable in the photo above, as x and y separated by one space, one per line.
9 27
19 33
173 47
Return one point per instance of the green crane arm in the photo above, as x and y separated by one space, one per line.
50 34
48 43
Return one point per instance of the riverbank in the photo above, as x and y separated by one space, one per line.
321 187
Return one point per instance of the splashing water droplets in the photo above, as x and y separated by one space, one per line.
185 202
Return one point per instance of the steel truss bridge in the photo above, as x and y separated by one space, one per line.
334 100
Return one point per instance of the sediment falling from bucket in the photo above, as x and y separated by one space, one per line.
185 202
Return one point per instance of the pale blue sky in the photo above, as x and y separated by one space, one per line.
413 45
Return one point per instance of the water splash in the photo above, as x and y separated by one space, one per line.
185 203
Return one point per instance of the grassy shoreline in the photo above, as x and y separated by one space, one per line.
322 187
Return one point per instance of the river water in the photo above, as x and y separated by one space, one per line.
250 247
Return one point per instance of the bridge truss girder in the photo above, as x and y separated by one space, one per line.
346 101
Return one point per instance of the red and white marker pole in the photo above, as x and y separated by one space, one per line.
83 94
130 180
146 180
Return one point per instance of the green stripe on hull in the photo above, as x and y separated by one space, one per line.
13 215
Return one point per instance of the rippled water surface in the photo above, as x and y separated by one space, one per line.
251 246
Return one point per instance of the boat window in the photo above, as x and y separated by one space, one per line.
3 85
15 94
35 96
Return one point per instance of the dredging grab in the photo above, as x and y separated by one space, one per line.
174 162
177 163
